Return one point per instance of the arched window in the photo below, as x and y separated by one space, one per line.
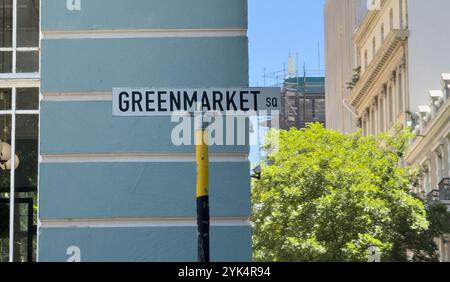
382 33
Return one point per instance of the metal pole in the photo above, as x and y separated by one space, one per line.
203 220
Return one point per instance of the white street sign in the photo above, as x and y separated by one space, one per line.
164 102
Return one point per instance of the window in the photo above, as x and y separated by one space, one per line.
365 60
381 111
400 4
439 165
391 19
19 36
406 14
400 93
374 47
391 105
18 169
373 122
382 33
365 126
358 56
448 156
426 185
19 120
319 110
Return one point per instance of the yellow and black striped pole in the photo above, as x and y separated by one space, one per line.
202 193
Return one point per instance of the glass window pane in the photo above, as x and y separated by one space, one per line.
5 138
5 99
4 227
27 150
5 23
27 98
26 186
27 23
5 62
24 227
28 61
301 111
5 126
309 110
320 109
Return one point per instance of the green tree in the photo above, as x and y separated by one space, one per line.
329 197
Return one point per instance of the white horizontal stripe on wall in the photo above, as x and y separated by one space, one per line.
141 157
145 33
141 222
19 80
77 97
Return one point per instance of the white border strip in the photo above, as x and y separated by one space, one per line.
77 97
141 157
142 222
142 33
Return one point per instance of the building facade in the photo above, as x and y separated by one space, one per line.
401 53
341 19
397 60
430 152
380 95
114 188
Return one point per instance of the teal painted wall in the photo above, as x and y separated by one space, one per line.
77 187
134 190
93 129
145 14
156 62
144 244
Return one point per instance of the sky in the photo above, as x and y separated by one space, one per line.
277 27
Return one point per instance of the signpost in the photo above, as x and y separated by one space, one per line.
202 193
129 102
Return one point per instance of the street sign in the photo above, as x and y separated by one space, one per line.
142 102
164 102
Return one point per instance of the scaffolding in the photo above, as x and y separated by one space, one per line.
302 98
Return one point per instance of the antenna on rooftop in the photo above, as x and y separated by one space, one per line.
292 66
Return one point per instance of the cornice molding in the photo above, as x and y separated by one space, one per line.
432 131
377 66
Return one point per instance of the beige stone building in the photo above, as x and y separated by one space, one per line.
400 49
379 97
401 52
430 151
340 22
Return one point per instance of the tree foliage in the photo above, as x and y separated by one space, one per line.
329 197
